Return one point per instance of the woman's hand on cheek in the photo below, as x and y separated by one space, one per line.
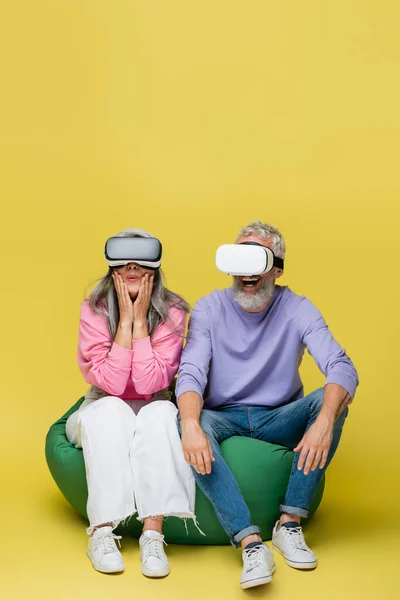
126 313
141 307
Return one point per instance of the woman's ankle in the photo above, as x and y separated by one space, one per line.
153 523
100 526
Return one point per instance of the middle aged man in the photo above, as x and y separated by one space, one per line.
239 375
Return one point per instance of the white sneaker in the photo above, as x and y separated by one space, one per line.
103 551
289 541
154 560
258 566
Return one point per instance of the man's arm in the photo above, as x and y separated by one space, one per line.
196 355
192 380
336 398
195 444
315 444
330 357
340 385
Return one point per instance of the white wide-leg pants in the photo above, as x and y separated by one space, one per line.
134 462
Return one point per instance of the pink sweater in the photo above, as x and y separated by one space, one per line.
135 374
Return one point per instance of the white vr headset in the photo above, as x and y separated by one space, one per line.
246 259
145 251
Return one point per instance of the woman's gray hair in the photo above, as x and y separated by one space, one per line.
103 299
266 231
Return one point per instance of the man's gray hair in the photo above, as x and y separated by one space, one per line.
266 231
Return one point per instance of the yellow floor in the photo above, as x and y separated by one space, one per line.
43 552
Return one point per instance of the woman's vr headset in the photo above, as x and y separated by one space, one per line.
246 259
145 251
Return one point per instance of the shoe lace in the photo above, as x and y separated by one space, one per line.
153 547
296 538
107 541
253 558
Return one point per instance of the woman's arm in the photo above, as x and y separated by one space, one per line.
103 363
124 332
155 360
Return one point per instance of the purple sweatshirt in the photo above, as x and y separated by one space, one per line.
233 357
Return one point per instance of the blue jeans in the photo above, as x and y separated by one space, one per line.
283 425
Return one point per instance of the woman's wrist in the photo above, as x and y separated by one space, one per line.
125 325
140 322
140 330
124 335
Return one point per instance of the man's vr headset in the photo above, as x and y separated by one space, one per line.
246 259
145 251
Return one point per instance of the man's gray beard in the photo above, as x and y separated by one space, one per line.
259 300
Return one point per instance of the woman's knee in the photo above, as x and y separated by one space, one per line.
158 408
107 410
160 413
72 429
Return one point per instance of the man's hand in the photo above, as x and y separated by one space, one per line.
315 444
196 447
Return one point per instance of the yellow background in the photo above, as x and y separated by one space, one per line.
190 119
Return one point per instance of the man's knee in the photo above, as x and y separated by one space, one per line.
207 423
342 417
316 401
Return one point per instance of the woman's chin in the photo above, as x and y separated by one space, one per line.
133 292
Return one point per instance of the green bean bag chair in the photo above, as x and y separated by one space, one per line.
261 469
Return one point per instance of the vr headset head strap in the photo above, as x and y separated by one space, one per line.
278 262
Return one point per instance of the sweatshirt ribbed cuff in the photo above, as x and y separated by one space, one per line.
122 355
142 349
347 383
187 387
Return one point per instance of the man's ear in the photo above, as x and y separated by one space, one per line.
278 273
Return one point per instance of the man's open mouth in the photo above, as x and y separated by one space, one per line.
250 281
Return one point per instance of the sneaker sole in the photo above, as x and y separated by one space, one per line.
100 569
155 575
259 581
306 566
